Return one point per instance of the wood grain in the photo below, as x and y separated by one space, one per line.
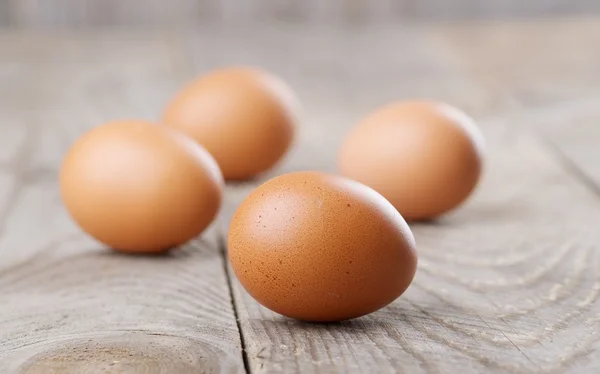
573 132
67 304
554 62
506 284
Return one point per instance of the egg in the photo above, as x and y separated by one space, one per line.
424 156
140 187
320 247
245 117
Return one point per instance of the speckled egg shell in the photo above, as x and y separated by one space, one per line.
319 247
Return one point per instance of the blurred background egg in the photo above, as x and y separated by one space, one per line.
245 117
320 247
140 187
425 157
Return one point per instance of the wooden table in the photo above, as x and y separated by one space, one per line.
508 283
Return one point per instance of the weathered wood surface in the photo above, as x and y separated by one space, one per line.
508 283
67 305
573 132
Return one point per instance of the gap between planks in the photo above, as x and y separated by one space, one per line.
69 304
259 321
222 245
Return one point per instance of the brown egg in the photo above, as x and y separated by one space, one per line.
319 247
140 187
243 116
425 157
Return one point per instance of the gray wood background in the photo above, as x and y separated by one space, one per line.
178 13
508 283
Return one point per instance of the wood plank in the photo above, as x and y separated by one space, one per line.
500 287
572 132
469 64
68 304
525 64
506 284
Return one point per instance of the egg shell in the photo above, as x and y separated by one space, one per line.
245 117
424 156
320 247
140 187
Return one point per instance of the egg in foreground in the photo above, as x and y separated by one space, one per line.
245 117
424 156
319 247
140 187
